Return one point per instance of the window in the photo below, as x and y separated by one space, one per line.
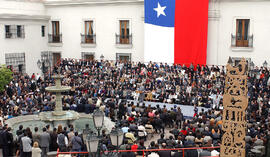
16 61
55 37
43 31
124 31
55 28
14 31
8 34
47 55
89 28
54 57
89 36
242 32
19 31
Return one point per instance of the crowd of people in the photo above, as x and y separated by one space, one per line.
115 82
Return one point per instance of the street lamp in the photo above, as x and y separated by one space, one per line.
92 143
252 69
230 61
101 57
117 136
191 66
252 65
98 117
43 66
265 64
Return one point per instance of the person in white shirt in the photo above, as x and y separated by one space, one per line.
141 132
27 148
153 154
1 121
36 151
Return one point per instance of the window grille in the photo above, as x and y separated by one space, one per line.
14 31
16 61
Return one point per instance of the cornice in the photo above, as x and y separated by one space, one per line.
31 1
88 2
24 17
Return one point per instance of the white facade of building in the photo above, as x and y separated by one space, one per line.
106 16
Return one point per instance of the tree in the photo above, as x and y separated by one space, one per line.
5 77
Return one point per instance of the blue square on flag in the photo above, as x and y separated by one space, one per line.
160 12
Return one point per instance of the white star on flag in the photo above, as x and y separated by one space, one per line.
160 10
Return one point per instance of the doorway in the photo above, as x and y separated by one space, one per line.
56 58
89 57
123 56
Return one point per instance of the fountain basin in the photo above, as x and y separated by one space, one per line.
33 121
57 89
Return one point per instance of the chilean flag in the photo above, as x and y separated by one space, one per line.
176 31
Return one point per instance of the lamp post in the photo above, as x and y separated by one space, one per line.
230 61
116 137
265 64
98 117
43 66
101 57
191 67
251 69
92 143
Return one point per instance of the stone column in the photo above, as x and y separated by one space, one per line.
58 103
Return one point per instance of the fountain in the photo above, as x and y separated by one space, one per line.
58 116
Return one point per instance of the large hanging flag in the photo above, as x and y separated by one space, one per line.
176 31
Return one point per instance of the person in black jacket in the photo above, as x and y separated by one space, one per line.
164 153
10 144
161 140
128 154
4 142
191 152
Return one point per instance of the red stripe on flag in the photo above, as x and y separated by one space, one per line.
190 37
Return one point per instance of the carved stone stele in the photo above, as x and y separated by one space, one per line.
235 102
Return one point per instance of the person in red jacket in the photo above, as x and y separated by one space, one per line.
184 131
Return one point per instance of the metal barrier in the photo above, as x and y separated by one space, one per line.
144 151
70 153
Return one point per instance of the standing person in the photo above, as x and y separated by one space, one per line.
49 129
9 142
4 141
36 136
179 118
36 151
70 134
1 139
62 141
268 143
76 143
26 146
44 142
19 151
53 144
20 131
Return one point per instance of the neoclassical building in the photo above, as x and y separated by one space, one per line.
32 30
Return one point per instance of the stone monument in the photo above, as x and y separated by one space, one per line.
235 102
